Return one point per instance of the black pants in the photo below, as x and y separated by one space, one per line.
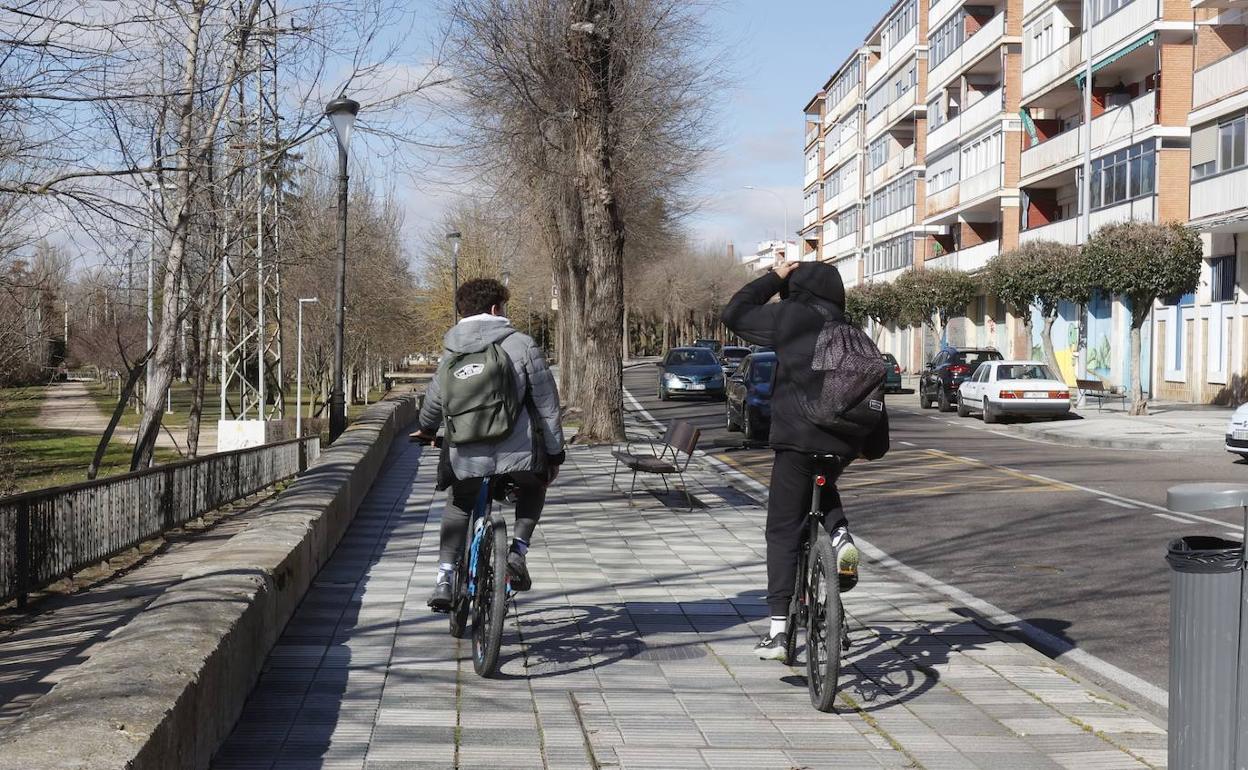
792 480
530 498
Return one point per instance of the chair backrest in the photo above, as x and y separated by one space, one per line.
1089 384
683 437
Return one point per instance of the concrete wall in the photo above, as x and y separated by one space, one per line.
166 690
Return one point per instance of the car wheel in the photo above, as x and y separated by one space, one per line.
663 393
963 411
924 401
731 426
747 426
990 414
943 400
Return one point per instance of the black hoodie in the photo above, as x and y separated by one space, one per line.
791 327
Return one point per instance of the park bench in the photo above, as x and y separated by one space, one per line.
663 458
1098 390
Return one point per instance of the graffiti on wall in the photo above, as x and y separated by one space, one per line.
1108 328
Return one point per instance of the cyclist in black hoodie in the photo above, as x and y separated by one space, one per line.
810 292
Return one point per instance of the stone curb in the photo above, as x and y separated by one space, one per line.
1054 432
167 689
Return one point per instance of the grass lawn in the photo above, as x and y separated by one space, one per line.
107 401
35 457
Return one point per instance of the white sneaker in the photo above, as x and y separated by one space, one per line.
771 647
847 558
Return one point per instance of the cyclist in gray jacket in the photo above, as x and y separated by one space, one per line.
530 454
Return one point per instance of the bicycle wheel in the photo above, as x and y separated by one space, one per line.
824 619
459 601
490 601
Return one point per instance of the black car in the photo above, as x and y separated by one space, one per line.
731 356
712 345
690 372
748 400
945 373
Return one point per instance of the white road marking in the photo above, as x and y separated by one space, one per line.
968 459
1063 650
1119 503
1174 518
1139 503
1235 535
907 443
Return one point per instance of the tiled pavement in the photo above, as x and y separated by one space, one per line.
633 650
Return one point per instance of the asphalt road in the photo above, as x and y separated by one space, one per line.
1060 536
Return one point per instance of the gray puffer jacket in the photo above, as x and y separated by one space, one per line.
536 441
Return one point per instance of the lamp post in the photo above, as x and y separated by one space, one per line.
783 206
454 238
299 368
341 113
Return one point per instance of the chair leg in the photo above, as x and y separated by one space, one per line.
614 471
666 487
685 484
631 487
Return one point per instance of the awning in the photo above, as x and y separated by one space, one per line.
1029 125
1116 55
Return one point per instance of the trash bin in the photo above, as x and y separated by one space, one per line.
1205 590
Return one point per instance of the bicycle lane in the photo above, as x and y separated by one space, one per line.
633 650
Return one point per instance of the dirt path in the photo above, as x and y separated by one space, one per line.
68 406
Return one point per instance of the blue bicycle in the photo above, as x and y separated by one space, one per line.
482 587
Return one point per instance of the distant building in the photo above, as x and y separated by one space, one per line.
769 253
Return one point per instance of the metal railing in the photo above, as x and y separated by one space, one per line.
49 534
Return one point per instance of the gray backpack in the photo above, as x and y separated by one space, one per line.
479 395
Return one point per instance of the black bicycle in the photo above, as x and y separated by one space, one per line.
816 604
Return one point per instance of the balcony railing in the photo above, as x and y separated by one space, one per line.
812 133
837 111
898 220
1058 65
810 217
963 125
1031 6
1223 78
1123 25
980 184
846 148
849 194
1119 123
1139 210
1062 231
892 167
840 246
940 10
1219 193
969 52
942 201
812 176
899 50
969 259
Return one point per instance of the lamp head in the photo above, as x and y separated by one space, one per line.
341 113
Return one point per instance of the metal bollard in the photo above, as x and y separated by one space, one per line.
1208 712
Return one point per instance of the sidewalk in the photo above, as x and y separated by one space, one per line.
634 650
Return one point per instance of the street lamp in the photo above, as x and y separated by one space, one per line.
454 238
299 369
341 113
784 206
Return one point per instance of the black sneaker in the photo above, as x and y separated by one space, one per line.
518 570
771 647
440 599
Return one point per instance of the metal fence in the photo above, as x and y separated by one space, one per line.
49 534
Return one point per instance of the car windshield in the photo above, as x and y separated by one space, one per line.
695 356
736 353
974 358
762 371
1024 372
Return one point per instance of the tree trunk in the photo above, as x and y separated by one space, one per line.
1139 312
123 400
200 363
591 47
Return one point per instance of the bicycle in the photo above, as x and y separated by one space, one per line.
816 606
482 586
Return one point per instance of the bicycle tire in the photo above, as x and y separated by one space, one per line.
794 621
824 618
459 601
490 602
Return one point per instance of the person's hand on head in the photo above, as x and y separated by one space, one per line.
785 268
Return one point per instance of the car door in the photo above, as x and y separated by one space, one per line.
736 387
975 386
931 373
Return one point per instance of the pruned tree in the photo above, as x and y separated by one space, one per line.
1038 276
933 296
877 302
1141 262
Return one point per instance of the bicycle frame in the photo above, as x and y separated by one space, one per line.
481 510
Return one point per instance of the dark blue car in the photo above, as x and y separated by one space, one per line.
748 401
690 372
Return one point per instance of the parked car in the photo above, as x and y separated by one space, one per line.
731 356
945 373
1000 388
715 346
747 403
1237 432
892 381
690 371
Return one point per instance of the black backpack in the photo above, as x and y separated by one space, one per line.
845 394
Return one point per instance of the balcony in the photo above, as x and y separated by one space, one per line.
1032 6
979 185
849 194
895 164
940 10
839 247
969 259
1218 194
812 133
964 125
898 220
838 110
969 52
1139 210
1123 25
843 151
1062 231
810 217
1054 68
942 201
1223 78
897 109
1124 122
899 51
812 176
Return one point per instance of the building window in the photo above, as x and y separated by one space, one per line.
901 23
981 155
892 198
1102 9
1038 41
878 152
877 101
847 223
811 201
947 38
1231 137
1222 279
893 254
847 82
940 180
1124 175
812 162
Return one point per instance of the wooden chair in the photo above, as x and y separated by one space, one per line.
663 458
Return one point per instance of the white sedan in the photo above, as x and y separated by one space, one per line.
1237 432
1013 388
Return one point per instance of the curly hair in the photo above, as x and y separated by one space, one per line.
479 295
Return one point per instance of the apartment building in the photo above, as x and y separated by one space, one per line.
970 138
1200 340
